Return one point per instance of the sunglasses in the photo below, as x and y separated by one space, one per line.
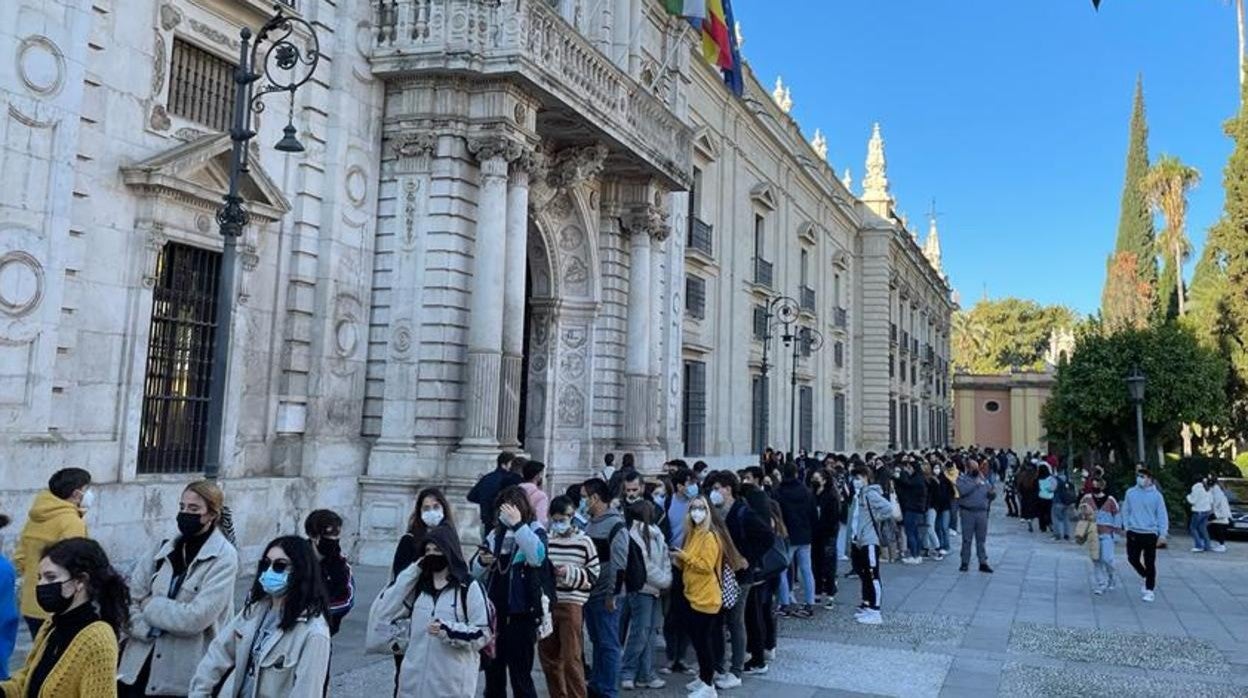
278 566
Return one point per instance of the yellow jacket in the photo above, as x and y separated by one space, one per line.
702 561
51 519
88 669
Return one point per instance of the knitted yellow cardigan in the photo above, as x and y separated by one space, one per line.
88 669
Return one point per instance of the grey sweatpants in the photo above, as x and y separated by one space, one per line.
974 525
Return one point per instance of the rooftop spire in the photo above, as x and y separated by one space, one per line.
848 180
820 144
782 96
875 184
931 247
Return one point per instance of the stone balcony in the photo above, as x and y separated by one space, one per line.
526 40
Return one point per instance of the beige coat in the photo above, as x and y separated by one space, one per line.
293 663
189 622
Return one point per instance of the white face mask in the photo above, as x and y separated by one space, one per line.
88 499
431 517
697 516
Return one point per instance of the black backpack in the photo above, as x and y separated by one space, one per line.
1066 492
635 572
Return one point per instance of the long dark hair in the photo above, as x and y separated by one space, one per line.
83 557
516 497
416 525
305 591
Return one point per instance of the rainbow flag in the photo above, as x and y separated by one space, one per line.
716 36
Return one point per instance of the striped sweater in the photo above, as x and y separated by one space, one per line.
576 553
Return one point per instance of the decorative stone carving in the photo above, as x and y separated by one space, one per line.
410 189
41 65
401 340
159 119
571 237
782 96
188 134
571 408
647 219
534 162
356 185
560 207
203 224
491 147
21 283
573 366
170 17
411 145
213 34
576 274
572 166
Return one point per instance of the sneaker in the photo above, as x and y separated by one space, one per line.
694 685
843 558
655 683
1148 596
729 681
829 603
871 617
983 567
1098 591
676 668
911 560
963 567
940 555
784 611
803 612
769 655
756 670
1219 548
628 685
704 691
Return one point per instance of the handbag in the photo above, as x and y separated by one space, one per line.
728 586
772 563
892 499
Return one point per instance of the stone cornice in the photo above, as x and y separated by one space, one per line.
491 147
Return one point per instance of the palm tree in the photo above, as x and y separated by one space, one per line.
1166 186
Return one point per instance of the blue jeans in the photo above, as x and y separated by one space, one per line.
1061 522
942 529
642 611
1103 568
801 555
1200 530
913 521
604 633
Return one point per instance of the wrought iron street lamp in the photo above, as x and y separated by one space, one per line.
273 63
786 311
1135 388
804 341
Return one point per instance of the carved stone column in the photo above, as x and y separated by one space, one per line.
657 313
641 222
485 319
515 271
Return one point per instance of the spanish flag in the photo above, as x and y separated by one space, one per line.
716 36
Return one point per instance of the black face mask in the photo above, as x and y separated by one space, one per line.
189 524
433 563
51 598
329 547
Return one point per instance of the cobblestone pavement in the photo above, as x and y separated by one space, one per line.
1031 629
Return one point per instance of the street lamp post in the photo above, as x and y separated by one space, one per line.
1135 388
802 340
786 310
284 66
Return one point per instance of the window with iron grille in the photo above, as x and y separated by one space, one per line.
695 296
694 432
914 425
892 365
201 86
806 428
902 365
892 423
838 422
179 361
758 414
805 341
838 354
905 426
760 322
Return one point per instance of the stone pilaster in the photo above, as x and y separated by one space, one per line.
654 372
515 269
485 329
637 357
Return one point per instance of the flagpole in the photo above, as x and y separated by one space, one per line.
671 53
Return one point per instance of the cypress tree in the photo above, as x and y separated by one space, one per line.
1135 223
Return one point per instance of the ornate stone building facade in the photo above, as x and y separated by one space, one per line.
486 245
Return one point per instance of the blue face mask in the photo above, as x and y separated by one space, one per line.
583 509
560 528
274 583
691 490
717 499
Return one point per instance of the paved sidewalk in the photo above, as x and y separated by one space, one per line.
1031 629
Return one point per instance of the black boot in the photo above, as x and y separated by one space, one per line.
962 567
983 567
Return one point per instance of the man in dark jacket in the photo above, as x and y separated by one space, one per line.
752 538
752 491
485 492
324 527
798 506
911 490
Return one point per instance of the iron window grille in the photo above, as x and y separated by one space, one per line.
760 322
695 408
174 426
695 297
701 235
806 435
758 413
201 86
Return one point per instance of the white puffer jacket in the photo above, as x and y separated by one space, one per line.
658 566
1199 498
1221 505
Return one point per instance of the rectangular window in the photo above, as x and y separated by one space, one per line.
758 414
695 297
760 232
201 86
806 429
838 422
838 354
914 425
700 232
174 426
902 365
694 422
836 290
892 424
760 322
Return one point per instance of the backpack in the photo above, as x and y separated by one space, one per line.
635 571
1066 492
660 577
491 647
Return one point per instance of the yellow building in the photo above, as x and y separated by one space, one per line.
1001 411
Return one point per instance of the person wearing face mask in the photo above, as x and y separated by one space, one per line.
485 493
602 611
752 538
182 596
1107 518
675 622
1220 518
75 650
575 560
1147 523
278 645
449 620
55 515
641 615
800 514
324 529
868 510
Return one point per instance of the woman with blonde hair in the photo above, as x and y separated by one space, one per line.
182 596
702 559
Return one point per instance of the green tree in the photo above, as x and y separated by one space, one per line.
1186 384
1165 187
1135 228
994 336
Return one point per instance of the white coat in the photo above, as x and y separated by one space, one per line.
293 663
446 664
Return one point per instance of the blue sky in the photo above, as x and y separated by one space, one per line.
1012 114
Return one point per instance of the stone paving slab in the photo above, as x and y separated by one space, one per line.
1023 680
1145 651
